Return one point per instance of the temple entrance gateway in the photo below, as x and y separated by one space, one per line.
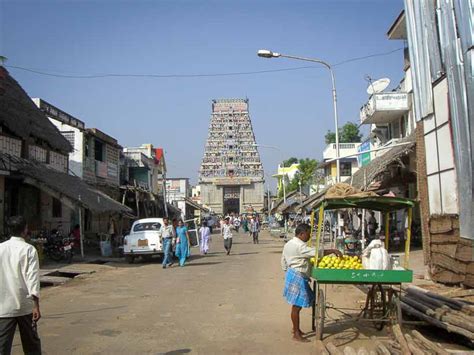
232 199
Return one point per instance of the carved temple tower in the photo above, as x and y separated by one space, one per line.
231 174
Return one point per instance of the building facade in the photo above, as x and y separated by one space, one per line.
440 41
231 176
348 166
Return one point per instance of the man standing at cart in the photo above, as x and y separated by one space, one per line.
295 260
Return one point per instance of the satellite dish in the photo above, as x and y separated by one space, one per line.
378 86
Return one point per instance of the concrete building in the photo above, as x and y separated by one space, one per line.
348 166
284 175
231 176
440 45
95 155
34 179
149 167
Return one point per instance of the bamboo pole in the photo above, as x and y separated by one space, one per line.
318 238
81 232
408 239
387 229
312 228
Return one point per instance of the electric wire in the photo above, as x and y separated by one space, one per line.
117 75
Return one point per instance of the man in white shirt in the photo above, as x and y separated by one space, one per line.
295 261
168 238
19 290
227 235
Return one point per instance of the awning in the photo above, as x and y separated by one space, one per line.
366 175
195 205
292 200
72 190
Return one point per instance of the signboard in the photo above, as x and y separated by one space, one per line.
364 159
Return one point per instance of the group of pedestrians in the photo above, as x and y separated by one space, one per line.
177 238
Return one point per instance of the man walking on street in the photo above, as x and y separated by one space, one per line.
19 290
167 236
254 228
227 235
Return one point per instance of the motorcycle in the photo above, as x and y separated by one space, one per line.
58 248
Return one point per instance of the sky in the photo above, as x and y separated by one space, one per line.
290 109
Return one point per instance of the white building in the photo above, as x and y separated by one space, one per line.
178 193
72 129
348 165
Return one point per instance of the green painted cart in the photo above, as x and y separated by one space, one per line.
382 304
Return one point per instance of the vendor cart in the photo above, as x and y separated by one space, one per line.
382 304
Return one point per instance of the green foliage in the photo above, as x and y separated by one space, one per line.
289 162
306 175
349 133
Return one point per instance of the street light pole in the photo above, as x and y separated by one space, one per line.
264 53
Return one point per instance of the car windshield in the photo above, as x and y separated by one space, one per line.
149 226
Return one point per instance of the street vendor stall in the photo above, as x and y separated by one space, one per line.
382 304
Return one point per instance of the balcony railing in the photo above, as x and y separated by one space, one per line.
344 149
384 107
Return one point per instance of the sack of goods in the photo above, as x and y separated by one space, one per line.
375 256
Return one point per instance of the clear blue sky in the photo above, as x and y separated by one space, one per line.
289 109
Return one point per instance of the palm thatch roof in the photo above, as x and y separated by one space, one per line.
20 115
292 200
367 174
68 186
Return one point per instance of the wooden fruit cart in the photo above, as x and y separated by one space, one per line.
382 304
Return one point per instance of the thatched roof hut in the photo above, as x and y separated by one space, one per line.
20 116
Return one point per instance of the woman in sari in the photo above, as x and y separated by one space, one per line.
205 236
182 243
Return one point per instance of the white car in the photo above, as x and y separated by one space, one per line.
144 239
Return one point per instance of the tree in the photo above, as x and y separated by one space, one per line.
307 170
349 133
306 175
288 162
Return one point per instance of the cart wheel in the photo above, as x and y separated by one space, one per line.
320 315
376 306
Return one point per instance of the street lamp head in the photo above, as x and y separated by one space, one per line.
265 53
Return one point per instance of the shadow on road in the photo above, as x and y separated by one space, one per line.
256 252
176 352
204 264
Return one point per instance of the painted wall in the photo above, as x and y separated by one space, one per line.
76 137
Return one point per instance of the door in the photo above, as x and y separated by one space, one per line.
232 199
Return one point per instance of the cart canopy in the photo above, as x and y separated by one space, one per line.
376 203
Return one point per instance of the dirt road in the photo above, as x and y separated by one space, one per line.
215 304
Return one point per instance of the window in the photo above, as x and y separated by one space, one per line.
57 210
99 150
346 169
150 226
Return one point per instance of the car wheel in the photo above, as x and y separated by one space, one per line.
129 259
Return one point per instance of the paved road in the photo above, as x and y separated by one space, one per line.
215 304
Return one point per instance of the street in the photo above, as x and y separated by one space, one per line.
215 304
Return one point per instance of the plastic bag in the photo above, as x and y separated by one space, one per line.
375 256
